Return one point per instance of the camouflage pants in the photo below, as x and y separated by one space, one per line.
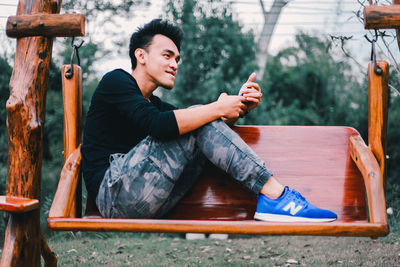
152 177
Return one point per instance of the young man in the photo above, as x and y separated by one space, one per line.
140 155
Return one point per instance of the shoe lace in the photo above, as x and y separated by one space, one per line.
300 197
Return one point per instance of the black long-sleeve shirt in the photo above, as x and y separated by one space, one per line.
120 117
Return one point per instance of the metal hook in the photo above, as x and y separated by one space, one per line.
377 68
70 72
74 45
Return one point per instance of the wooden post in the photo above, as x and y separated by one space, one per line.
378 17
24 242
378 113
72 95
25 111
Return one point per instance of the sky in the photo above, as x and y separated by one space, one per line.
322 18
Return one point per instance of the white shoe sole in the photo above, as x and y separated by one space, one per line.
285 218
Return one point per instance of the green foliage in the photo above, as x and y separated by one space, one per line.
107 10
393 150
307 85
216 55
393 202
103 21
5 75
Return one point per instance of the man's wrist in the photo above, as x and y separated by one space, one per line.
216 108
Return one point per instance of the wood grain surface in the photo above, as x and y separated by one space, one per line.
18 204
313 160
382 17
50 25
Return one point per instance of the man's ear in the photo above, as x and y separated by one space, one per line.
140 55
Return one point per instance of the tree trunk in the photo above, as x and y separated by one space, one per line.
270 20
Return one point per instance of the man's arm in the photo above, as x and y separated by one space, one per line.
229 107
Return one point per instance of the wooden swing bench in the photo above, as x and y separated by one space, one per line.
331 166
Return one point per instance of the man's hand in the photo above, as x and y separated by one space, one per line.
252 93
232 106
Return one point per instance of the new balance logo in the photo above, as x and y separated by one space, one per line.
293 208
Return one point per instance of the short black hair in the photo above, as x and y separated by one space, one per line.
144 35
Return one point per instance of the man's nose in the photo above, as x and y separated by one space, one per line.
173 64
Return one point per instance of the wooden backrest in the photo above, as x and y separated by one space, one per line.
313 160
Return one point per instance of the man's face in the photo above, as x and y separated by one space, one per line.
161 61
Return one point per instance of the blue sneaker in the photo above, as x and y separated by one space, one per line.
290 207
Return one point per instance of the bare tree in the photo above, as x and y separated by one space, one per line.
270 20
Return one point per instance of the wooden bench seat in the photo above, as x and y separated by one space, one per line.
313 159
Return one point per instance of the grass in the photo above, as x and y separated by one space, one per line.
173 250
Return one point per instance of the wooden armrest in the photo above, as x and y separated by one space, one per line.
373 180
66 190
18 204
